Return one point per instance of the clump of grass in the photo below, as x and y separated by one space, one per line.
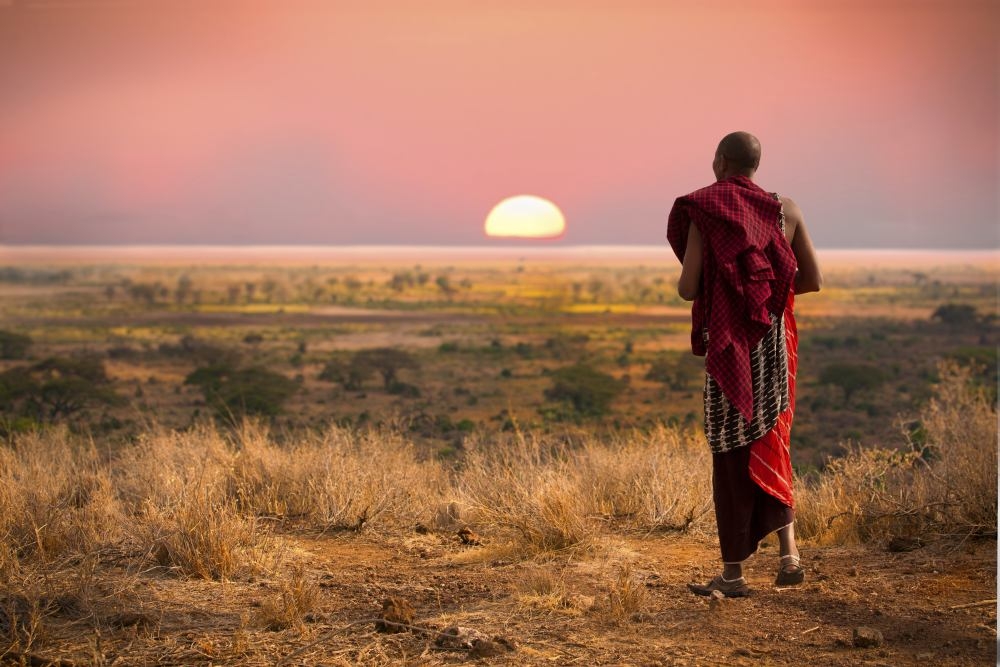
626 594
338 479
205 537
56 499
527 489
297 597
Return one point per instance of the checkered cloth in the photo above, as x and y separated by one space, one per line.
748 272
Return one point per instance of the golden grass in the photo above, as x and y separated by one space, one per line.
945 485
205 504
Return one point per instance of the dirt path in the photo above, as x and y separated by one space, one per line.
560 611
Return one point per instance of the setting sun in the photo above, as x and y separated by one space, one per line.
525 216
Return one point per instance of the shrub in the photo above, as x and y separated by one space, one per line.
386 361
588 390
13 345
955 314
56 388
852 378
250 391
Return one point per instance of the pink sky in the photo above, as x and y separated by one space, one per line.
357 123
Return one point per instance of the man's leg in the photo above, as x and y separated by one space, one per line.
786 541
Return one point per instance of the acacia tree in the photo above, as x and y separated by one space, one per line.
56 388
386 361
852 378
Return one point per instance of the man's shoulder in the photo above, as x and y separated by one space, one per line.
792 210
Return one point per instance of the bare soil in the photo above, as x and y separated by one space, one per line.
560 610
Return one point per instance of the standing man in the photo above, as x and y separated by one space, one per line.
745 253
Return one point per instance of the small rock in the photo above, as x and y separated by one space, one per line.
456 636
484 648
396 613
853 571
715 600
925 657
867 637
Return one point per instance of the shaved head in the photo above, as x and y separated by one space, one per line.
741 151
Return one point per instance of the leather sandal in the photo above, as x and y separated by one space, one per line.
735 588
790 573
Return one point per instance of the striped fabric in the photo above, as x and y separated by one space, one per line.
725 427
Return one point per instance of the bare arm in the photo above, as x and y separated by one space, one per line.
808 278
689 283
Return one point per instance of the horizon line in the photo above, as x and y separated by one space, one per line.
299 247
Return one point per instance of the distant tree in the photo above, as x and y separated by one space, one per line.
238 392
588 390
852 378
956 314
444 284
13 345
386 361
143 292
56 388
184 289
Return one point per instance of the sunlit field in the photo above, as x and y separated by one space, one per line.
249 456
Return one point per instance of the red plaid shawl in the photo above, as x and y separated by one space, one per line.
747 274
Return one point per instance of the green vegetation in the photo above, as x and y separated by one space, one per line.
237 393
13 345
491 345
588 390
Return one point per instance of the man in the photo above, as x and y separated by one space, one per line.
744 254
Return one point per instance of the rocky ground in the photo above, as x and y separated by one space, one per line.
623 602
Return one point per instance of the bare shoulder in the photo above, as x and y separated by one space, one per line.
793 217
792 210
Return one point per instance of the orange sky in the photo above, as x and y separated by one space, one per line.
373 122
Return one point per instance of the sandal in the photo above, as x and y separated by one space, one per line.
735 588
790 573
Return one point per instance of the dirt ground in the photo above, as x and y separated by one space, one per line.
624 602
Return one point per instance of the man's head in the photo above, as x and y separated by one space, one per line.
738 154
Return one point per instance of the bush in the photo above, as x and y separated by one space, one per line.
588 390
56 388
13 345
236 393
955 314
386 361
852 378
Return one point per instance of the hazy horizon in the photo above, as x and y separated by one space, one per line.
346 122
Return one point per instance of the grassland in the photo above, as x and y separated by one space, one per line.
156 525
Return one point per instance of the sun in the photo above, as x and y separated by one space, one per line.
525 217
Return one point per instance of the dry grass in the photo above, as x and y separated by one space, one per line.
204 504
626 595
946 485
296 598
551 496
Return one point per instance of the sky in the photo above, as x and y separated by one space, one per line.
298 122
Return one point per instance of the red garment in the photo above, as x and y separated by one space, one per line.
748 270
771 457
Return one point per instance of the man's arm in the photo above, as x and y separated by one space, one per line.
808 278
689 283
